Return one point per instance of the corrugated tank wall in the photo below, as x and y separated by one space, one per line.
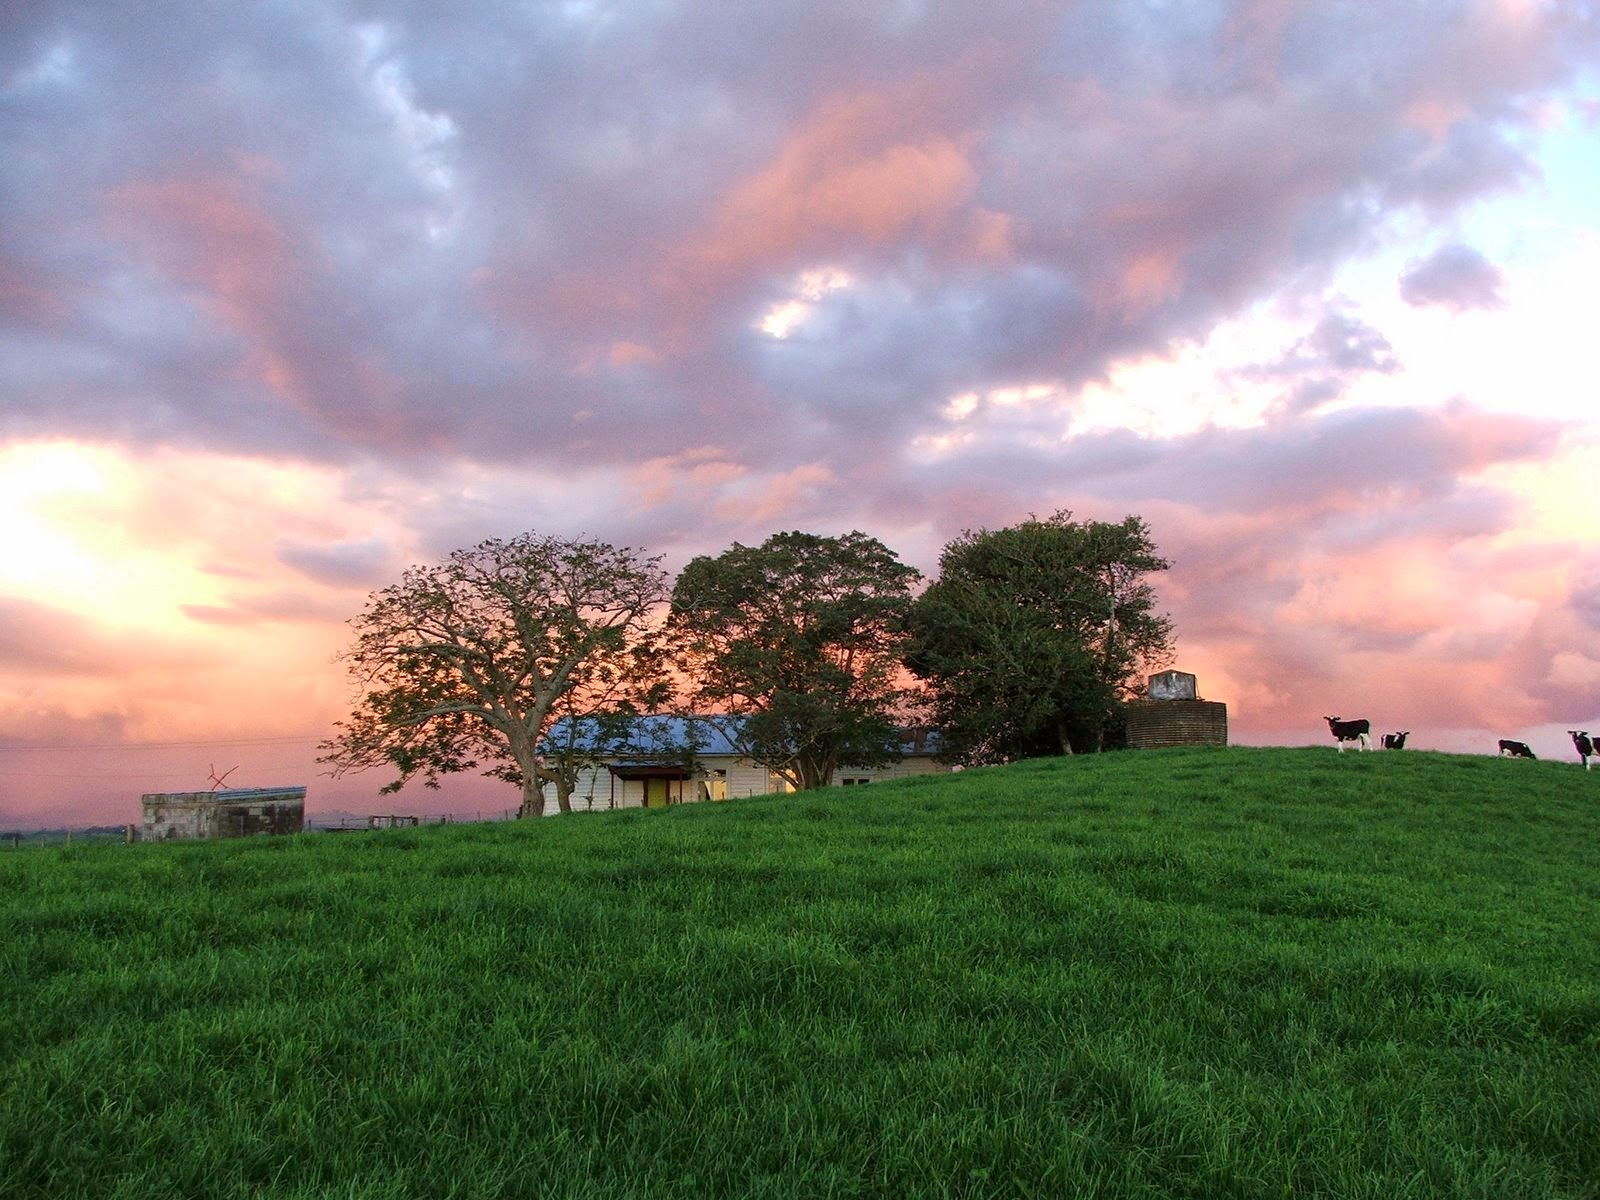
1156 723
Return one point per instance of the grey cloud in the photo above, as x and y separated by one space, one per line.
1456 277
54 727
462 227
1345 343
1347 458
359 563
1584 598
1350 479
1339 349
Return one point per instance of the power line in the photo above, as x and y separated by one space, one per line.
304 740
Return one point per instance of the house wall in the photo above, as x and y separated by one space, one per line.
597 791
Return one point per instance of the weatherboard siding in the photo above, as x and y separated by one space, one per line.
597 791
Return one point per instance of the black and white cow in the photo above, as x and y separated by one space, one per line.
1584 744
1395 741
1359 732
1511 749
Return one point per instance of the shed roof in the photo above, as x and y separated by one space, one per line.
229 795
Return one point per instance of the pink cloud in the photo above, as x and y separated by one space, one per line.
214 235
859 169
210 234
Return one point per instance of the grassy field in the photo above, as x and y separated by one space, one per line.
1206 973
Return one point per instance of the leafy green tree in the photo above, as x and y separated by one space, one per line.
469 663
1034 635
798 642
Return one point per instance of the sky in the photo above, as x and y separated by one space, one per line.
295 295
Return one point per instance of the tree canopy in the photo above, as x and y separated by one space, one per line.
1033 635
799 640
468 663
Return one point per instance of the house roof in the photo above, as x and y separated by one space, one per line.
647 737
655 736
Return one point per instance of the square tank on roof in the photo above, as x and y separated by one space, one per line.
1173 685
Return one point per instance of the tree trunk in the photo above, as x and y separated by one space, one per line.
813 772
564 787
1061 736
532 796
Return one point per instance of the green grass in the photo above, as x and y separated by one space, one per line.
1206 973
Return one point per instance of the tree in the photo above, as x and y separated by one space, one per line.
798 642
471 661
1034 635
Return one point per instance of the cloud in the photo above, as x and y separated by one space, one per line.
1584 598
363 562
1455 277
1321 366
56 727
447 230
273 607
41 638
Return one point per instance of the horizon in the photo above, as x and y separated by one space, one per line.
470 797
291 299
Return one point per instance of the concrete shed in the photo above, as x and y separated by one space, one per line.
231 812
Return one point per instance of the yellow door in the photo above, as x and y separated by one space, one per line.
657 792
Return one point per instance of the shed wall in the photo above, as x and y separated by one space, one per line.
233 813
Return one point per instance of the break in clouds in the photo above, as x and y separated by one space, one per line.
677 275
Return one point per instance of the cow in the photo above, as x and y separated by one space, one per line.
1584 744
1395 741
1511 749
1359 732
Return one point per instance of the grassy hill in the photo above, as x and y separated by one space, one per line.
1207 973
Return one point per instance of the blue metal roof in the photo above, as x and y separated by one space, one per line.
654 736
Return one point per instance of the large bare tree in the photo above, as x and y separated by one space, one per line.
468 663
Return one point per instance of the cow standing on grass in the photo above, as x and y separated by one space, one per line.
1396 741
1510 749
1584 744
1359 732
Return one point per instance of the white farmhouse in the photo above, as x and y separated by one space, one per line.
664 760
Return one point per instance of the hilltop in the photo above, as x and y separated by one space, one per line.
1221 972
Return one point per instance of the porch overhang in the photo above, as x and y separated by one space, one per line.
642 771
